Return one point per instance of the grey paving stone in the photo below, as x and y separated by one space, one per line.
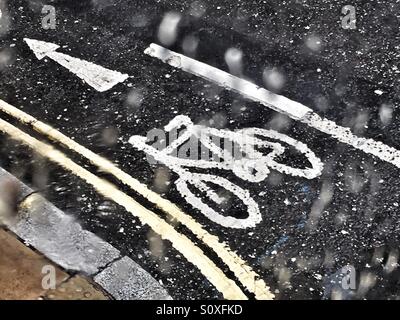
56 235
23 190
126 280
61 238
12 191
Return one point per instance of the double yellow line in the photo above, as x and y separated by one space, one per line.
230 290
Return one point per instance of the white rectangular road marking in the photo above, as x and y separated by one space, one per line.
246 88
293 109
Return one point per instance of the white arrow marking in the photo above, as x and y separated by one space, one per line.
97 77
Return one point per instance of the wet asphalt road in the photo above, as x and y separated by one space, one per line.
337 76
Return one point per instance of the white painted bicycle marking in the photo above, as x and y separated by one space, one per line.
254 166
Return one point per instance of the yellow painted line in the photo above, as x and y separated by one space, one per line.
192 253
244 273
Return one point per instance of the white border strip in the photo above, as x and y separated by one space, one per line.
251 91
293 109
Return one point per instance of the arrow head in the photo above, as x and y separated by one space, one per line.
41 48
